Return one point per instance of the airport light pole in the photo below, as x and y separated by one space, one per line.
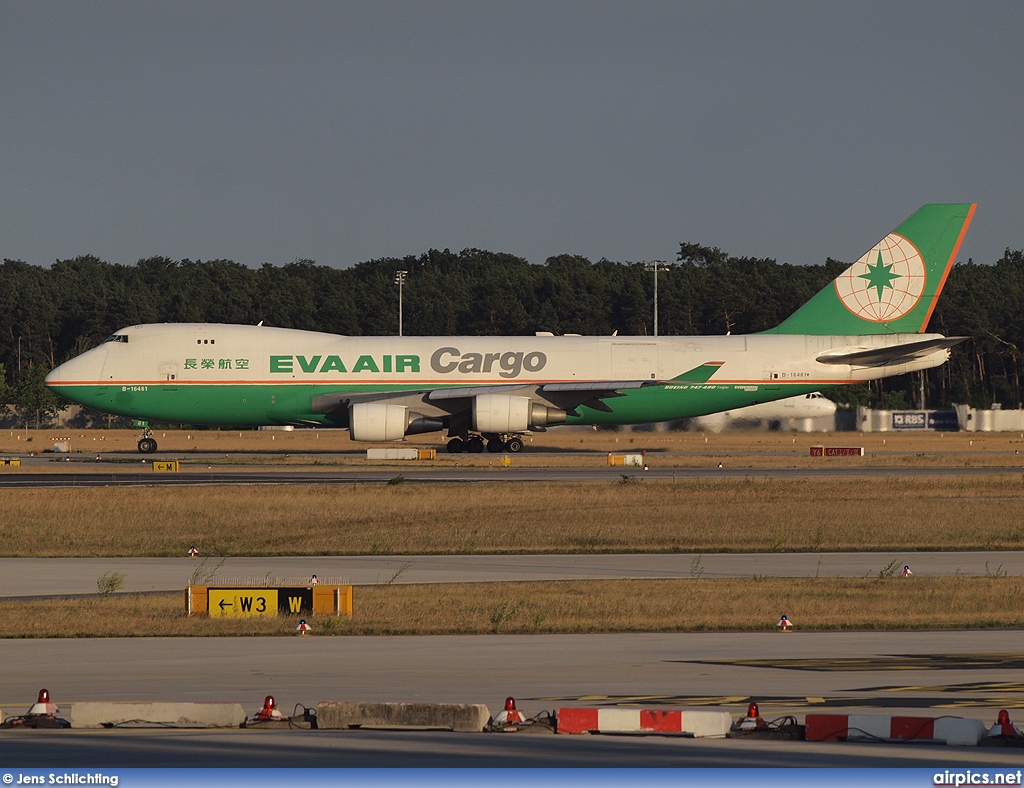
400 280
655 266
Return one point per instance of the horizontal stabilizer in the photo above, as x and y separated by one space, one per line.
894 354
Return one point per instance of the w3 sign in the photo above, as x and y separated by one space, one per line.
249 602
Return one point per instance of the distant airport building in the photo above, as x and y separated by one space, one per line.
961 417
995 419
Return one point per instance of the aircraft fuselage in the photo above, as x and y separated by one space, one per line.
256 375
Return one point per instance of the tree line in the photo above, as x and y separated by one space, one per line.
48 315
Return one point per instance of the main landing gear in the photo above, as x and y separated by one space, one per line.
147 444
474 444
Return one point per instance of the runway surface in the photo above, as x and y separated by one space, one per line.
970 674
132 475
57 576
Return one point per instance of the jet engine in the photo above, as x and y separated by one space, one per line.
501 413
377 421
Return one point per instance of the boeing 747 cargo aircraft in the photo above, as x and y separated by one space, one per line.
489 391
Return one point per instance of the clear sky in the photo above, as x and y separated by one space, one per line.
348 131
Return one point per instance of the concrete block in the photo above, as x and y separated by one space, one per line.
960 732
335 715
707 723
177 715
392 454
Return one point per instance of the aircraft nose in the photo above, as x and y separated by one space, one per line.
84 369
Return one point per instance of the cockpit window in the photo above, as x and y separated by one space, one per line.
116 338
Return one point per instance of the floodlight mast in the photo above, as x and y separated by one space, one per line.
400 280
655 266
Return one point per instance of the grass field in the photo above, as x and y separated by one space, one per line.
966 513
982 513
580 606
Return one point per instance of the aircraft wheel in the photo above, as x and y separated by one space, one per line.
514 445
475 445
456 446
494 446
147 446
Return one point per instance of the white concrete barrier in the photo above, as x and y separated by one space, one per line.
335 715
175 715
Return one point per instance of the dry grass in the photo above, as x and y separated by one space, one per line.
581 606
600 517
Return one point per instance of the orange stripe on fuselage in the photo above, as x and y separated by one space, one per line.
949 267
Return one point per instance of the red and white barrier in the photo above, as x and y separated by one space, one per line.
697 723
952 730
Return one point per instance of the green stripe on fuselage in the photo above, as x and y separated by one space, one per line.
270 404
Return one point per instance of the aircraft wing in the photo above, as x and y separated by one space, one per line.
591 387
894 354
600 385
567 396
465 392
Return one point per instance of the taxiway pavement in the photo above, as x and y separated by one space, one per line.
935 673
61 576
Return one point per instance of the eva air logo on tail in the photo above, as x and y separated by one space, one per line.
895 283
884 284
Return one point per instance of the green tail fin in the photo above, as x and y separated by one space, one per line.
893 287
